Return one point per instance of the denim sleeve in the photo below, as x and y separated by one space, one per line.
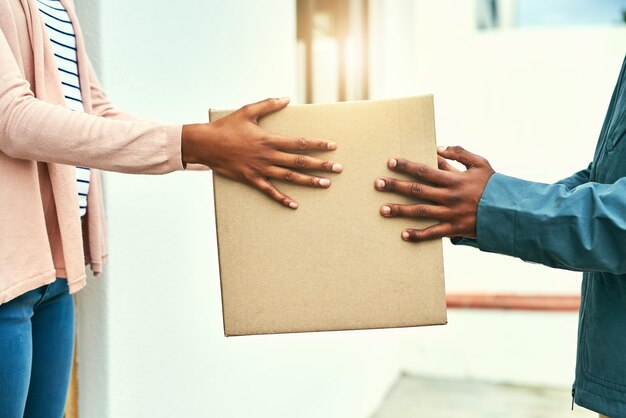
574 180
581 228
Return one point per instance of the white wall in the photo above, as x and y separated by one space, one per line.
150 340
532 102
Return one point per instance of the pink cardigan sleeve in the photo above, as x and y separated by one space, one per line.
103 107
35 130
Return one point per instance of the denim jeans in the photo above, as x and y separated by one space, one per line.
36 347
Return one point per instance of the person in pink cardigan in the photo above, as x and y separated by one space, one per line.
57 129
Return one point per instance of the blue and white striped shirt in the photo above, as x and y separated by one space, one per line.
63 39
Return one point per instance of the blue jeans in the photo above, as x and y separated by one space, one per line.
36 347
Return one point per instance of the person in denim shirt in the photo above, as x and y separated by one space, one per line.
578 223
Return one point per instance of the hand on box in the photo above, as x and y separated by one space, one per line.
452 195
236 147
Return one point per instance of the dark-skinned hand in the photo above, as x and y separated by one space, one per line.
236 147
452 195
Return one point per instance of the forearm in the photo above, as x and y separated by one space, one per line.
575 180
34 130
581 229
192 139
574 225
102 106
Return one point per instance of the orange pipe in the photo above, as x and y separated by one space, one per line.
554 303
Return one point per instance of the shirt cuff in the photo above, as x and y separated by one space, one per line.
470 242
173 146
496 218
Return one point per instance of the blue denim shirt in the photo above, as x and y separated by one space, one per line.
578 223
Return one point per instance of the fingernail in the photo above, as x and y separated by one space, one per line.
386 210
405 235
380 183
392 162
324 182
293 205
284 99
337 168
442 148
331 145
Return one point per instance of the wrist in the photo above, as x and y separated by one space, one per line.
191 143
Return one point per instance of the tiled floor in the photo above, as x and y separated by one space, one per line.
413 397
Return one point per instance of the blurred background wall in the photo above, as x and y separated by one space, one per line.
530 96
151 338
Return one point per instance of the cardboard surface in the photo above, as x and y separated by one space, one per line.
334 263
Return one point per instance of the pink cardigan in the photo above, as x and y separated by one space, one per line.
40 140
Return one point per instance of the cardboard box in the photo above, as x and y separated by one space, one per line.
334 263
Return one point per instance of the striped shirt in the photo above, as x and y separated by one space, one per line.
62 37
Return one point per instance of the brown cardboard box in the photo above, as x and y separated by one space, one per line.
334 263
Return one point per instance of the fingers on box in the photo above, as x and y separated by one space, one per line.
410 189
298 178
420 171
393 210
268 188
432 232
302 144
305 162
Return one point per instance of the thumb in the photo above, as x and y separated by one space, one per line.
265 107
461 155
